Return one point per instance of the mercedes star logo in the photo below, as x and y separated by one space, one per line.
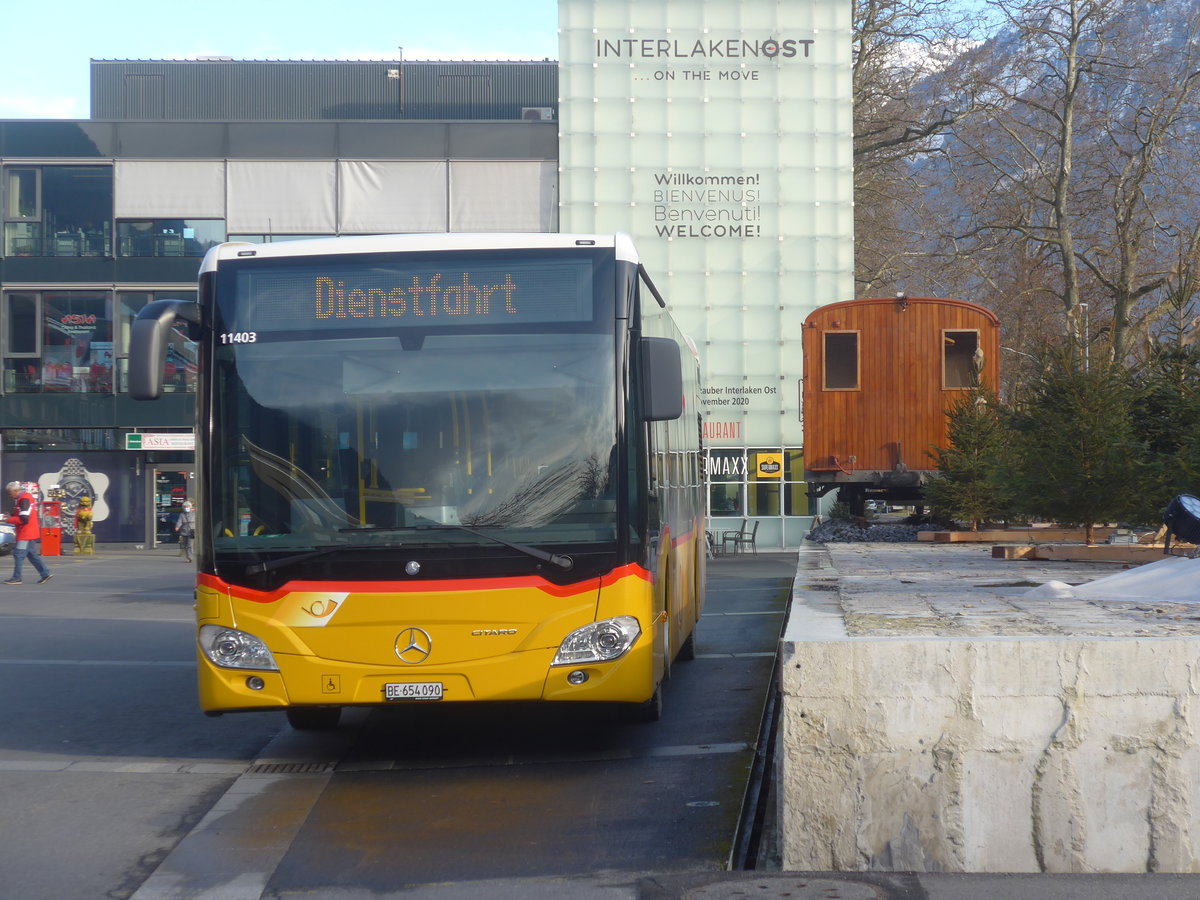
413 646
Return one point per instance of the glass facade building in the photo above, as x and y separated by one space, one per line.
719 136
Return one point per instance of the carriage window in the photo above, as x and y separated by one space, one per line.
962 360
841 361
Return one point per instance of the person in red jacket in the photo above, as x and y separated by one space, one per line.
29 533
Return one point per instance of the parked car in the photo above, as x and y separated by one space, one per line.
8 538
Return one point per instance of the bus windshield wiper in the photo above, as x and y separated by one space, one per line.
563 562
272 564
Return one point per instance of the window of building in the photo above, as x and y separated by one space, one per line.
962 360
727 482
168 237
58 210
795 489
22 201
22 342
841 361
60 439
180 372
77 347
58 341
758 482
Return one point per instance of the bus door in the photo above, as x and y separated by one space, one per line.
171 485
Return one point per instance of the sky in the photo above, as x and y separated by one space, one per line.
47 75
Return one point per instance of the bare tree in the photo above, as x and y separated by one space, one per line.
1082 144
1023 146
901 105
1138 205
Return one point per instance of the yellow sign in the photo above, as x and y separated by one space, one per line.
768 465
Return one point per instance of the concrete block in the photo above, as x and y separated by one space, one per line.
1021 737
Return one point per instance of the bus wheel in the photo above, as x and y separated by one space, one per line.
651 710
688 651
314 718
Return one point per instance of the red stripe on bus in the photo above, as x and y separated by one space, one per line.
427 587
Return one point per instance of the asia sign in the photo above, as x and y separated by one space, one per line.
722 143
170 440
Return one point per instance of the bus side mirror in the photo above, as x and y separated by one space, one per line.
662 379
148 344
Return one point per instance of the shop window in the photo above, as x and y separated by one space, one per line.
58 342
761 482
795 490
168 237
841 361
765 470
77 346
58 211
726 482
962 360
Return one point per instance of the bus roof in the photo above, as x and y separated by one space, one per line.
399 243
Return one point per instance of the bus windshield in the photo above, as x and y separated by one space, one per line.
373 434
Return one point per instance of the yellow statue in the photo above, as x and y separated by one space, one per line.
85 541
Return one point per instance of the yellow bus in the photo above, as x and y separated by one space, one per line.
440 468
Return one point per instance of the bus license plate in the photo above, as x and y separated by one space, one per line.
413 690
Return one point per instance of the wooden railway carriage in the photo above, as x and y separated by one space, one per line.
879 376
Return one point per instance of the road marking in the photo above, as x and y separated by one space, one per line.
143 767
759 612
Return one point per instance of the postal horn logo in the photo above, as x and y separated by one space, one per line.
319 609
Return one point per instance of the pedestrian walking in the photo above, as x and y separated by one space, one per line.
25 516
185 524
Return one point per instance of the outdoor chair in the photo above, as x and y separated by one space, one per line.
727 537
743 538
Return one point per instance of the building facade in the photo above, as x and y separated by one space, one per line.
104 215
719 136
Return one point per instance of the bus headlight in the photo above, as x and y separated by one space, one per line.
233 649
598 642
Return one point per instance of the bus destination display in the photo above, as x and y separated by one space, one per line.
337 297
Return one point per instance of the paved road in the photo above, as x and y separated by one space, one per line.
104 754
104 761
114 786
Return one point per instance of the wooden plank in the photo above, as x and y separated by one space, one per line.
1016 535
1115 553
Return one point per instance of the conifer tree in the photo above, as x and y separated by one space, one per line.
1078 460
1166 418
973 485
